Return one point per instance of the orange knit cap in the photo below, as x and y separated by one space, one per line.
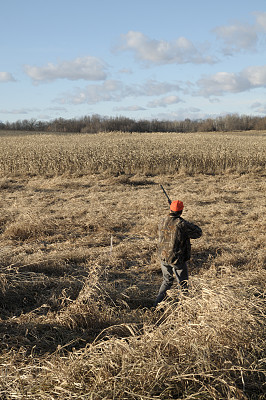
176 206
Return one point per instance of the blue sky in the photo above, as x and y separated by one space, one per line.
164 59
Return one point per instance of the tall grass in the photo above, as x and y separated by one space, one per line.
121 153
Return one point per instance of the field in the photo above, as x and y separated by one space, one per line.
79 269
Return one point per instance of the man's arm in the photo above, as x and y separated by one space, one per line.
193 231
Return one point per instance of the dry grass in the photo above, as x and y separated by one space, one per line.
79 271
119 153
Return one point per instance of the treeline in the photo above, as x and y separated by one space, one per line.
97 123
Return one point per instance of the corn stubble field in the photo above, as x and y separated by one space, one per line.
79 268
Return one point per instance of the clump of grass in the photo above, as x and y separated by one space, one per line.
27 227
89 310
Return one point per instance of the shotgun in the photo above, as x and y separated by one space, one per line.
168 198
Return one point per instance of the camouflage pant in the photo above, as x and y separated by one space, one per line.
181 273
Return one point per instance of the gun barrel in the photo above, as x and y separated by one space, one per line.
168 198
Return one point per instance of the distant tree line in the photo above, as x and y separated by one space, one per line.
97 123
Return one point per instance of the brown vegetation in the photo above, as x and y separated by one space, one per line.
124 153
79 269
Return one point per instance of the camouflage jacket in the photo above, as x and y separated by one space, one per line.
174 239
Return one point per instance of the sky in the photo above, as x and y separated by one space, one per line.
142 59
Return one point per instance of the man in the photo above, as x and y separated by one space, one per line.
175 249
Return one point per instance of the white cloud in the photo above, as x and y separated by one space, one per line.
87 68
259 107
181 114
237 37
212 86
155 88
130 108
242 37
113 90
179 51
6 77
225 82
164 101
19 111
261 110
57 109
256 104
44 117
214 100
126 71
109 90
256 75
261 20
220 83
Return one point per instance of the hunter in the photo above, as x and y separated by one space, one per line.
175 249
